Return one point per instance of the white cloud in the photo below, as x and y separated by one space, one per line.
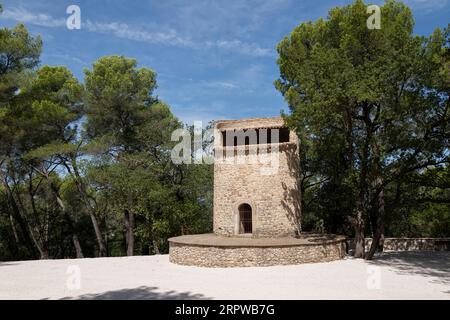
251 49
171 37
122 30
205 113
67 57
220 85
39 19
234 17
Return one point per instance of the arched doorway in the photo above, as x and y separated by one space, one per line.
245 218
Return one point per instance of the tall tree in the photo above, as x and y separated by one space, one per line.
377 96
118 101
54 95
19 54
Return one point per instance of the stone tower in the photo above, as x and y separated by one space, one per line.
255 178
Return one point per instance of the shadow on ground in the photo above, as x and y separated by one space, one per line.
140 293
6 263
320 237
426 263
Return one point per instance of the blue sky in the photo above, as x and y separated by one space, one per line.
214 59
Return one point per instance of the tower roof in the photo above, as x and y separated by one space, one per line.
250 123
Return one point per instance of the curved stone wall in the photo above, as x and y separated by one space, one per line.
250 256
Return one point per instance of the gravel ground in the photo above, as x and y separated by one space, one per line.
407 275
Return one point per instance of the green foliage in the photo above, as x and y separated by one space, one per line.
19 52
426 206
129 130
117 98
369 106
431 220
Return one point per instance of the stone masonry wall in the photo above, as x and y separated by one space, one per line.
266 180
409 244
209 256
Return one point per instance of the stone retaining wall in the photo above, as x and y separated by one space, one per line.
214 256
410 244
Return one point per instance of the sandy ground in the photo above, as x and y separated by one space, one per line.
412 275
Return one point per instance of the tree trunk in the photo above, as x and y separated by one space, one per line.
44 254
18 216
379 232
69 221
42 241
361 204
381 243
155 247
382 214
378 235
359 235
15 248
129 229
40 246
13 228
98 235
77 246
84 196
358 221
